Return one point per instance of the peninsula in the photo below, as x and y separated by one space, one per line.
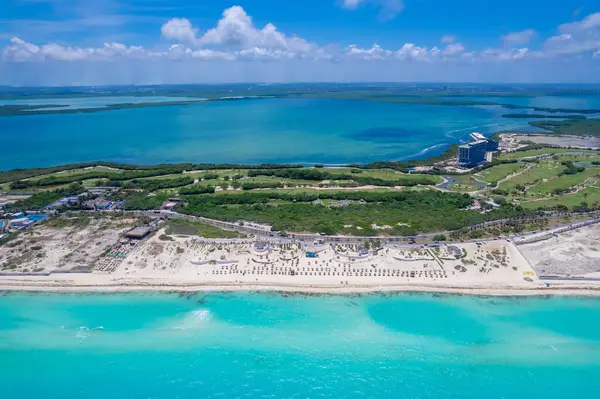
430 225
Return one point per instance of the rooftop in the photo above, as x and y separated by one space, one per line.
478 137
473 143
138 232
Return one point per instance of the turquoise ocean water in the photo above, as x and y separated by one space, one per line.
248 131
272 346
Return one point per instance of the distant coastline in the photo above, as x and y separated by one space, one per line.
20 110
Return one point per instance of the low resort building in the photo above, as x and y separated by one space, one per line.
138 233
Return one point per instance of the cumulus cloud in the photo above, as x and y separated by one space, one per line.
373 53
20 50
235 37
236 31
591 21
409 51
179 29
504 55
575 37
516 38
454 49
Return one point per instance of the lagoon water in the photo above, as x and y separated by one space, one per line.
267 345
246 131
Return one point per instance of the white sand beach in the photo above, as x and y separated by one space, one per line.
99 258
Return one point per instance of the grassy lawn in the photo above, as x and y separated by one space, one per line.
498 172
543 189
384 174
579 158
189 228
464 183
590 195
72 172
303 190
540 171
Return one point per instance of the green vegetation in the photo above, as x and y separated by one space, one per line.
76 221
155 184
141 201
588 127
186 227
498 172
43 198
464 183
196 189
318 174
545 150
475 234
142 170
541 116
287 192
572 169
409 212
590 196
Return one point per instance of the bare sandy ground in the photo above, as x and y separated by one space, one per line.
44 248
576 252
191 263
563 140
188 263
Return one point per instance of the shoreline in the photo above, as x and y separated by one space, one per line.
33 286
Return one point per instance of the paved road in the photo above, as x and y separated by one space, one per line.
357 239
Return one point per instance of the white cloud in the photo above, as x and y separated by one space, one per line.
388 8
236 31
207 55
516 38
178 52
411 52
504 55
236 38
351 4
575 37
591 21
374 53
179 29
408 52
20 50
454 49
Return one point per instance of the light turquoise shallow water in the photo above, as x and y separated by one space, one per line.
271 346
248 131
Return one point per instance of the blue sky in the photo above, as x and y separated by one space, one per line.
92 42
